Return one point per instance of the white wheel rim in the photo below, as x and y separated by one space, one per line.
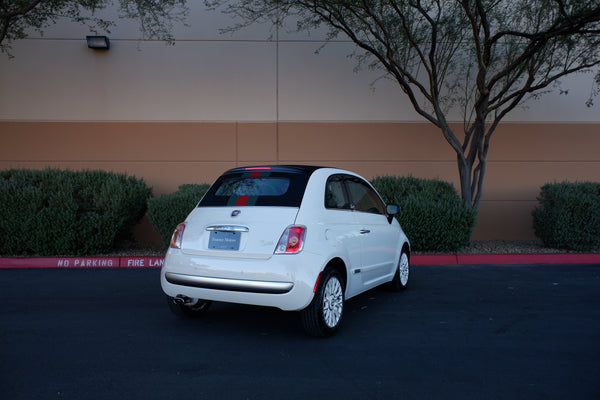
404 269
333 302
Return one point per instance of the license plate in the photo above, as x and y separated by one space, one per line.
220 240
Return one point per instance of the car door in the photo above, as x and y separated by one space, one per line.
379 238
342 228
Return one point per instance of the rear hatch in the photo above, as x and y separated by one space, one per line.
246 211
246 232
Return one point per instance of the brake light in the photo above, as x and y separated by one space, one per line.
177 237
291 241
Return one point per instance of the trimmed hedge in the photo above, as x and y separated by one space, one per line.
64 212
568 216
167 211
432 214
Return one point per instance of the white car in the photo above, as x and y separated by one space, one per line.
293 237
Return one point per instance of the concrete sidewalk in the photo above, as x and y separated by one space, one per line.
420 259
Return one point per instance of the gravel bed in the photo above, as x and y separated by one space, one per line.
504 247
508 247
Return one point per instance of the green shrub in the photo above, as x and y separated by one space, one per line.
432 214
167 211
568 216
56 212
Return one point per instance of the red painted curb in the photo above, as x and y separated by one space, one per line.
540 258
433 259
421 259
544 258
81 262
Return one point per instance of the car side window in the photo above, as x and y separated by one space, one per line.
335 196
364 197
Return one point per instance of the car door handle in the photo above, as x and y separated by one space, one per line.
363 231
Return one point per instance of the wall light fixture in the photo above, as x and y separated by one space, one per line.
98 42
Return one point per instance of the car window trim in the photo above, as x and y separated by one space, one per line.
347 198
364 182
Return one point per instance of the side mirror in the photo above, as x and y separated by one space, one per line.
392 209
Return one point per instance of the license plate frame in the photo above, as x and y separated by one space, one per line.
224 240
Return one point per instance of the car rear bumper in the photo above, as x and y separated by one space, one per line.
283 281
236 285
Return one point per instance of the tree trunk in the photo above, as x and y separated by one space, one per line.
465 174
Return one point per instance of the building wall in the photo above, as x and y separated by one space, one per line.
185 113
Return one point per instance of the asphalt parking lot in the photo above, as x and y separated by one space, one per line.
458 332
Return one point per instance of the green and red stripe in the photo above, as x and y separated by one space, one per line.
241 201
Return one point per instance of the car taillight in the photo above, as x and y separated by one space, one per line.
291 241
177 236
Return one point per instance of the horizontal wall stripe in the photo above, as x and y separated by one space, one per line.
522 157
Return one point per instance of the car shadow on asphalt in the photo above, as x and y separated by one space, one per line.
228 319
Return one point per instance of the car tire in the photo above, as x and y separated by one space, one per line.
323 315
200 307
400 280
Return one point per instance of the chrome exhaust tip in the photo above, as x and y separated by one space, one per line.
181 299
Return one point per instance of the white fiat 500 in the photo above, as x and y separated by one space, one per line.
293 237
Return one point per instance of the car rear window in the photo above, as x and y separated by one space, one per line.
249 186
257 188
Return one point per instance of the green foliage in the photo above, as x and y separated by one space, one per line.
54 212
568 216
432 214
167 211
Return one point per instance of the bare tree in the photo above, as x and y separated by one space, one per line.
483 57
18 17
